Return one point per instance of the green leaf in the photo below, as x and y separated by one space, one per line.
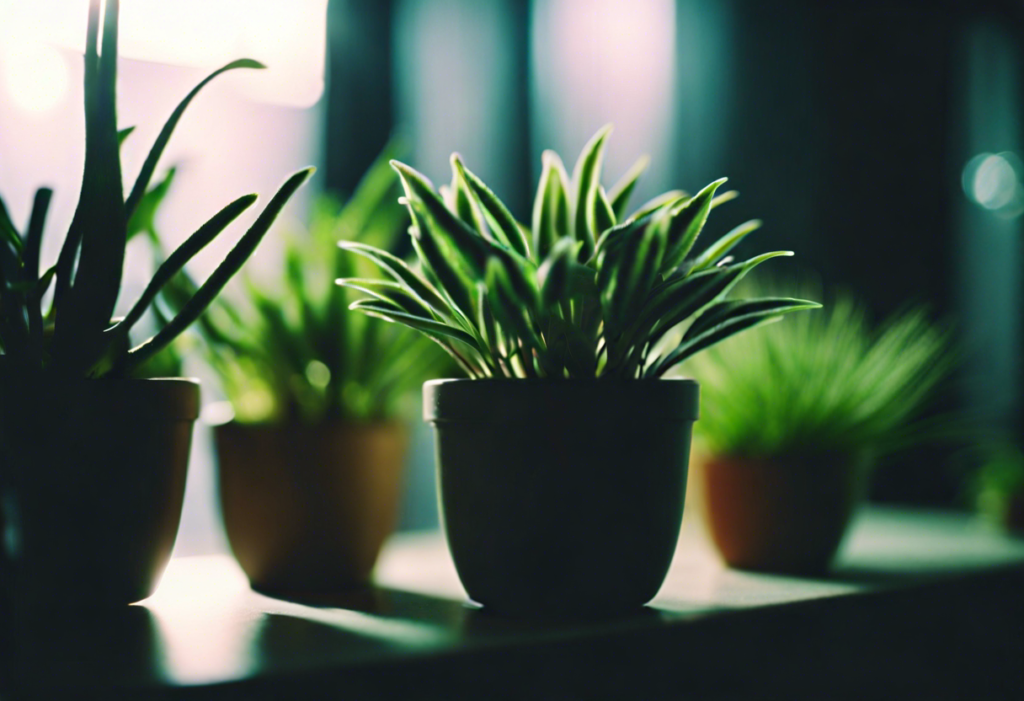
209 290
687 220
143 220
391 312
604 215
665 199
182 255
611 248
719 333
401 272
465 205
680 297
149 166
123 135
551 213
434 252
508 310
390 292
634 278
725 244
465 243
485 320
587 179
623 190
34 235
99 225
503 223
721 199
731 310
553 274
7 228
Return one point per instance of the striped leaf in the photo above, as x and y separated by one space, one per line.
587 180
623 190
551 210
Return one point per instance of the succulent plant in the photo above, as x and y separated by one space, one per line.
286 350
586 291
821 383
77 335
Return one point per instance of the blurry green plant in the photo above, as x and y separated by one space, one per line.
586 291
998 485
289 350
78 336
821 383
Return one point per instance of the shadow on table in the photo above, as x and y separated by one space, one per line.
465 620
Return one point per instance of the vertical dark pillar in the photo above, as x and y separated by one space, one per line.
360 113
521 195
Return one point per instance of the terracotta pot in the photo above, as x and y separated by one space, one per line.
93 482
781 515
562 498
307 508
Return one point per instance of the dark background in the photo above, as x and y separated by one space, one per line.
846 125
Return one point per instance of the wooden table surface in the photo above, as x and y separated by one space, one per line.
921 605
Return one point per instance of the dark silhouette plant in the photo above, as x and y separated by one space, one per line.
77 335
585 291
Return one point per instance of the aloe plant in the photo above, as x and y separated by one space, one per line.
77 335
286 350
586 291
822 383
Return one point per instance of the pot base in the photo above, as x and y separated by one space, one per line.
781 516
307 508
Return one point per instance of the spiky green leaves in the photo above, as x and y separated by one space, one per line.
828 382
589 292
289 350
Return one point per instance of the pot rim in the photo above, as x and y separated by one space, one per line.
523 400
299 426
177 397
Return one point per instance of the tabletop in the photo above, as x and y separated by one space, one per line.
918 603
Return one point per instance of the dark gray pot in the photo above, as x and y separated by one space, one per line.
93 478
562 498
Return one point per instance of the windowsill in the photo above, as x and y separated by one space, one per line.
910 588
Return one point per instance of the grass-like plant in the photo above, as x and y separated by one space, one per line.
822 383
287 350
586 291
77 336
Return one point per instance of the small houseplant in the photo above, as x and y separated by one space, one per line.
562 461
93 464
998 486
311 467
795 416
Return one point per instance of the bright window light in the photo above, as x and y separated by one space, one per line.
35 75
289 36
599 61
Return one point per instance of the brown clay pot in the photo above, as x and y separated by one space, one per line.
307 508
781 515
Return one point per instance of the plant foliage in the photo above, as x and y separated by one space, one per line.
287 350
825 382
77 335
585 291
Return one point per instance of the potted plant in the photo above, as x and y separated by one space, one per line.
998 486
562 460
92 467
310 468
795 416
